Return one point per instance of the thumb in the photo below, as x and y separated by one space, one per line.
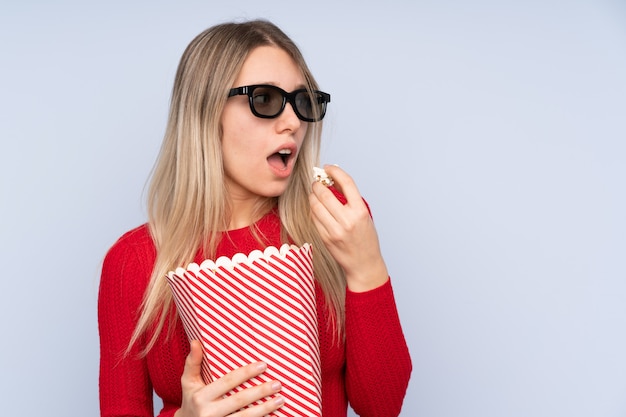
191 374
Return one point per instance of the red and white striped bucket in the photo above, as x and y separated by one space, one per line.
259 307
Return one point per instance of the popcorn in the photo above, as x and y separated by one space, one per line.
320 175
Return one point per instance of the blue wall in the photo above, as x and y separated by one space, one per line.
487 136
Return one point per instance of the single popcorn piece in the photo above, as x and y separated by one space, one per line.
320 175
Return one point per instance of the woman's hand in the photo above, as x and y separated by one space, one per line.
348 231
201 400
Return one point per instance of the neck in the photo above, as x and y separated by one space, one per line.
246 212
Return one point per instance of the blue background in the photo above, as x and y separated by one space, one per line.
487 136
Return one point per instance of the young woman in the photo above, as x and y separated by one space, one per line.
235 174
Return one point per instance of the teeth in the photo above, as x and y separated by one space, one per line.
285 152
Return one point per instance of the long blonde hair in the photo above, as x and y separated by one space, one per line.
187 200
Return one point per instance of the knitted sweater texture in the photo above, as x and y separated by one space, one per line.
370 370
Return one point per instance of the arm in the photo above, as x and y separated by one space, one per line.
125 388
125 384
378 364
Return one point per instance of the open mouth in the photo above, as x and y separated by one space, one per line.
280 159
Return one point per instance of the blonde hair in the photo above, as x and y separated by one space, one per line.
188 204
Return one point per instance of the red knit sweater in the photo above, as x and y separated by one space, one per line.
370 371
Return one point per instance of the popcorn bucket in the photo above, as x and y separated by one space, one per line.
259 307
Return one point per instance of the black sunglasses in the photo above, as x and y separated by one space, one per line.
268 101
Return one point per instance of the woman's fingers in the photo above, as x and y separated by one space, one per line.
191 378
319 200
328 209
348 231
211 400
334 220
344 183
249 396
244 398
237 377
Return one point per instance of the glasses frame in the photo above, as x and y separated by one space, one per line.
322 97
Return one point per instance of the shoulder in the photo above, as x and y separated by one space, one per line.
133 254
126 271
135 240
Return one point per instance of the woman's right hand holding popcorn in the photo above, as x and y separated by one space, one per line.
348 231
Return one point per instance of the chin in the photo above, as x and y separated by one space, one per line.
275 191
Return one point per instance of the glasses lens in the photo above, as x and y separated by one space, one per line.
311 106
267 101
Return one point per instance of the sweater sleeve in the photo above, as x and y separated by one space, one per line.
125 388
378 364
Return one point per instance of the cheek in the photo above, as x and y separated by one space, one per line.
233 124
234 136
302 133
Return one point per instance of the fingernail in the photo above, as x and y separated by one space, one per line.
261 366
276 386
279 401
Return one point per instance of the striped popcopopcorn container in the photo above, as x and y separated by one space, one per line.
256 307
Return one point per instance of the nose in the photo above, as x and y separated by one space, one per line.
288 120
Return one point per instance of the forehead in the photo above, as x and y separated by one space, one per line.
270 65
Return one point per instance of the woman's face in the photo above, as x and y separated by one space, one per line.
260 154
